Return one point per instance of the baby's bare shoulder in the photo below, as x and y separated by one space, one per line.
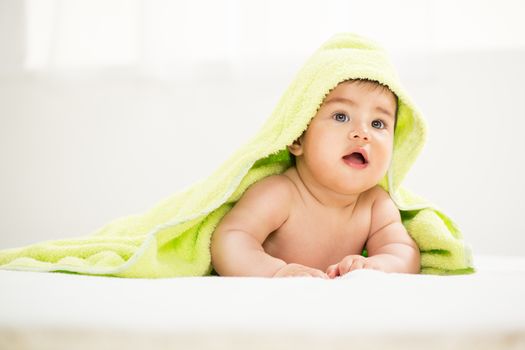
262 208
384 210
378 193
272 187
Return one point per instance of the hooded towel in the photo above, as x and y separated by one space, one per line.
173 238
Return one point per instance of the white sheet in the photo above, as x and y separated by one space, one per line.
364 308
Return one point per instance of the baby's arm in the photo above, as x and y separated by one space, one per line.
236 246
389 246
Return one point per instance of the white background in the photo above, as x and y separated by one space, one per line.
107 107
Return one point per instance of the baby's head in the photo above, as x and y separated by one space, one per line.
348 144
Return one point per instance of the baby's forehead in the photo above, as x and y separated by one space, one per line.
357 92
358 88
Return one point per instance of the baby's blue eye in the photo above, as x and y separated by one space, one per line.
378 124
341 117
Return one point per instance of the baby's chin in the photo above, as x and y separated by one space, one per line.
354 189
359 182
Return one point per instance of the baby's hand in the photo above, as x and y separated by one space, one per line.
299 270
349 263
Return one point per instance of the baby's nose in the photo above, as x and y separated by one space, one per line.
359 133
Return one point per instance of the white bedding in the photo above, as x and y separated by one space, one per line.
369 309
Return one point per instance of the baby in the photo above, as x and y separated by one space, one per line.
316 217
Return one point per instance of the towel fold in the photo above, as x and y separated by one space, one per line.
173 238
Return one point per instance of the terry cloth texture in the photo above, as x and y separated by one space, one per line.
173 238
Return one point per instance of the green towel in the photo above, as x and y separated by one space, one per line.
173 238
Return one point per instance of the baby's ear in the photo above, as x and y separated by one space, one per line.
296 148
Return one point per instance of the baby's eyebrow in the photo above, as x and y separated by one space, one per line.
352 103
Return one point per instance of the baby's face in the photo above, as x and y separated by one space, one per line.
353 117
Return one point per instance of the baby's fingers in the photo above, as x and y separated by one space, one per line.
317 273
332 271
357 264
351 263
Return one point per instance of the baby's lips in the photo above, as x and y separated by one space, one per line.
361 151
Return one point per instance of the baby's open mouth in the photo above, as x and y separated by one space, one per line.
356 158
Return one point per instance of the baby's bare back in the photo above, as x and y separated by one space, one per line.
317 236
